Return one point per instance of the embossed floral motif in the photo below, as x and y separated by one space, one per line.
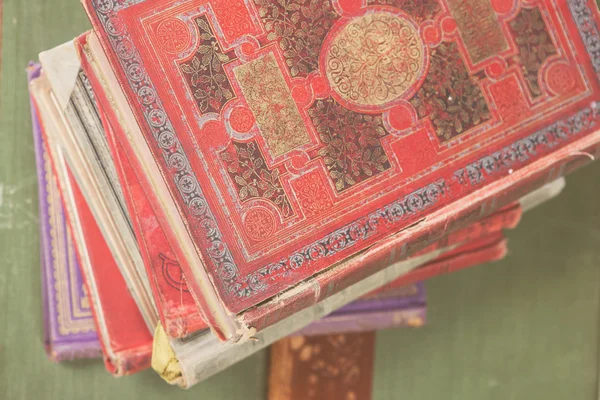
450 96
300 26
268 97
535 45
204 72
352 150
375 59
173 35
420 10
312 194
252 179
233 16
259 224
509 100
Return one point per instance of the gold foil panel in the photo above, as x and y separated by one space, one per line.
479 28
269 98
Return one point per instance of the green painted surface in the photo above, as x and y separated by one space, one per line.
524 328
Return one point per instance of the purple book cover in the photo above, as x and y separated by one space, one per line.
69 331
405 306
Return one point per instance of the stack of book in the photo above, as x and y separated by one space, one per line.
218 175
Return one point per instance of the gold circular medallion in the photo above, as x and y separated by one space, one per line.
375 59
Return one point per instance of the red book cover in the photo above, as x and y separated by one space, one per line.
126 340
179 314
283 138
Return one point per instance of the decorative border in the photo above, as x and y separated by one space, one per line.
525 149
186 182
354 233
588 29
164 134
71 319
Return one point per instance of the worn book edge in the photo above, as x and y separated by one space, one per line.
203 356
63 339
64 63
121 362
200 357
222 322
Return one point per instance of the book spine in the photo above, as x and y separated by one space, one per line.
477 205
122 331
484 250
222 324
183 318
505 218
178 319
322 367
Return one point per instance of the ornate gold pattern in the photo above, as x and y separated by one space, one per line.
173 35
375 59
259 223
312 194
67 324
251 177
450 96
204 72
479 28
351 151
268 96
300 26
420 10
535 45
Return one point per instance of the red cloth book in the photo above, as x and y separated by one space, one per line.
280 140
125 338
124 355
179 313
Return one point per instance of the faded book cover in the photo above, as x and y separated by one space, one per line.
123 334
334 367
82 141
69 330
285 138
178 311
395 308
